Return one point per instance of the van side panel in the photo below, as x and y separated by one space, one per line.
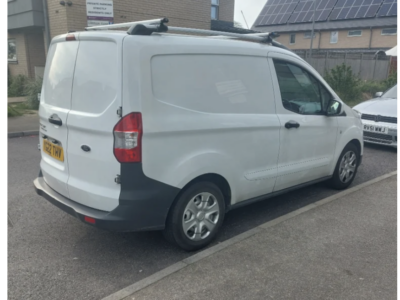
205 110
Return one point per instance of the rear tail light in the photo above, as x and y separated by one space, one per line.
128 138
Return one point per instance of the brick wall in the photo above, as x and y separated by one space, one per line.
183 13
226 10
35 51
21 66
30 52
344 41
57 17
301 42
379 40
322 40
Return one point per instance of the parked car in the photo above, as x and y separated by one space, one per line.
379 118
169 132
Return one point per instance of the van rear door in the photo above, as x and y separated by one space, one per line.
55 104
96 98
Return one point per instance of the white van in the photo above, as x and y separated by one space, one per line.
154 131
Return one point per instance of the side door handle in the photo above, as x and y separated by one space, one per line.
292 124
54 119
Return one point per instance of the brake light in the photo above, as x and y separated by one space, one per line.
128 139
70 37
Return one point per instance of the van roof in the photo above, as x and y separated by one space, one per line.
212 41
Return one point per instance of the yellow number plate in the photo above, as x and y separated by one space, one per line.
53 150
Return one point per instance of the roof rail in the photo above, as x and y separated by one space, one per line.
148 27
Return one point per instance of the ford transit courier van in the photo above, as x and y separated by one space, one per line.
169 132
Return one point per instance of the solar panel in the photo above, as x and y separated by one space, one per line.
388 8
302 11
276 12
305 10
356 9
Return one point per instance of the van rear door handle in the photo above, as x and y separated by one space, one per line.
292 124
54 119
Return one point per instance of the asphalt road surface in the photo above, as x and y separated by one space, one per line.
51 255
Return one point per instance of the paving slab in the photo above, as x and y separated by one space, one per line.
23 125
344 249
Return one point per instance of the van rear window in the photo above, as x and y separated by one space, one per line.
214 83
57 83
96 76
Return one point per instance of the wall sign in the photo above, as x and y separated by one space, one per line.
99 12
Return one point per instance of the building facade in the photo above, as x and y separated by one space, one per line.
27 42
363 25
349 36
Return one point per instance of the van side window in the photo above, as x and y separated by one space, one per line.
301 92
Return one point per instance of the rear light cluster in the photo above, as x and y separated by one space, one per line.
128 138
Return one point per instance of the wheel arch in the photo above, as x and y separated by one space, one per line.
214 178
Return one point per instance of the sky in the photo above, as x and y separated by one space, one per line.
251 9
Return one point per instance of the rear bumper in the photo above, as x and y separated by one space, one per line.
137 215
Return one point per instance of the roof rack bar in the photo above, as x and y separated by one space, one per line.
128 24
148 27
261 39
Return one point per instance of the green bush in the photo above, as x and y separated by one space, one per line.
32 88
371 87
390 81
345 83
12 112
17 86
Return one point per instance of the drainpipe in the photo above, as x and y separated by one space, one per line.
312 29
370 37
46 23
319 41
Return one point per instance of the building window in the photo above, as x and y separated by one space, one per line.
12 50
214 9
389 31
354 33
292 38
307 35
334 37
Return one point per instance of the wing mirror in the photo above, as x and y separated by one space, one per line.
378 94
334 108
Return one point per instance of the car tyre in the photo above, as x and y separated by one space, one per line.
346 167
196 216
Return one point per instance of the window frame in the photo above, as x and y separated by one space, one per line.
294 38
311 77
354 35
389 33
307 35
215 4
12 60
337 39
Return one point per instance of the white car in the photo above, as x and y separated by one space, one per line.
152 131
379 118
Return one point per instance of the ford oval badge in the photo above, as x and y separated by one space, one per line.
85 148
